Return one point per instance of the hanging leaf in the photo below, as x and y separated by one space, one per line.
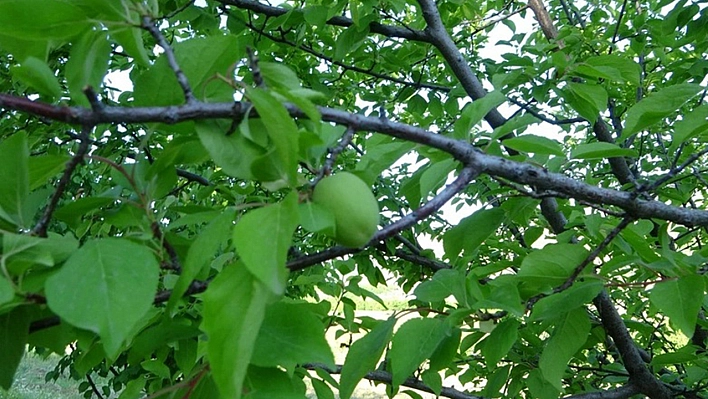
107 286
363 356
234 307
262 238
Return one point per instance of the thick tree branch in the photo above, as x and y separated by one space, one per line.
375 27
444 43
623 392
519 172
640 375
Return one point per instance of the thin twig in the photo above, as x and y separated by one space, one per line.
171 60
40 229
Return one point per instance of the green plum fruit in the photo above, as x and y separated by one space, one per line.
355 210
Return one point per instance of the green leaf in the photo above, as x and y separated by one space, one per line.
519 123
530 143
233 153
42 169
269 383
471 232
316 218
201 59
202 251
574 297
37 74
7 291
131 39
473 113
21 252
680 300
14 327
234 307
539 387
41 19
72 212
568 337
363 356
601 150
281 129
279 76
262 238
107 286
412 344
444 283
445 352
552 265
435 176
296 332
499 342
14 175
692 124
657 106
610 64
349 41
87 65
322 390
587 99
683 355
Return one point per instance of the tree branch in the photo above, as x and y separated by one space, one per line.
443 42
375 27
519 172
387 378
40 229
639 374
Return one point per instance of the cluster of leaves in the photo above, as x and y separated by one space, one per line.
158 159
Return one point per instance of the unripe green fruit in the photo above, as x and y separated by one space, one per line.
355 210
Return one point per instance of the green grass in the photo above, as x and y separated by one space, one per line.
30 384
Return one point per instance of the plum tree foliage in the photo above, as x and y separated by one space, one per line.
158 158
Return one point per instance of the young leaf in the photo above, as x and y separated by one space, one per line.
106 287
568 337
262 238
657 106
234 307
363 356
414 342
